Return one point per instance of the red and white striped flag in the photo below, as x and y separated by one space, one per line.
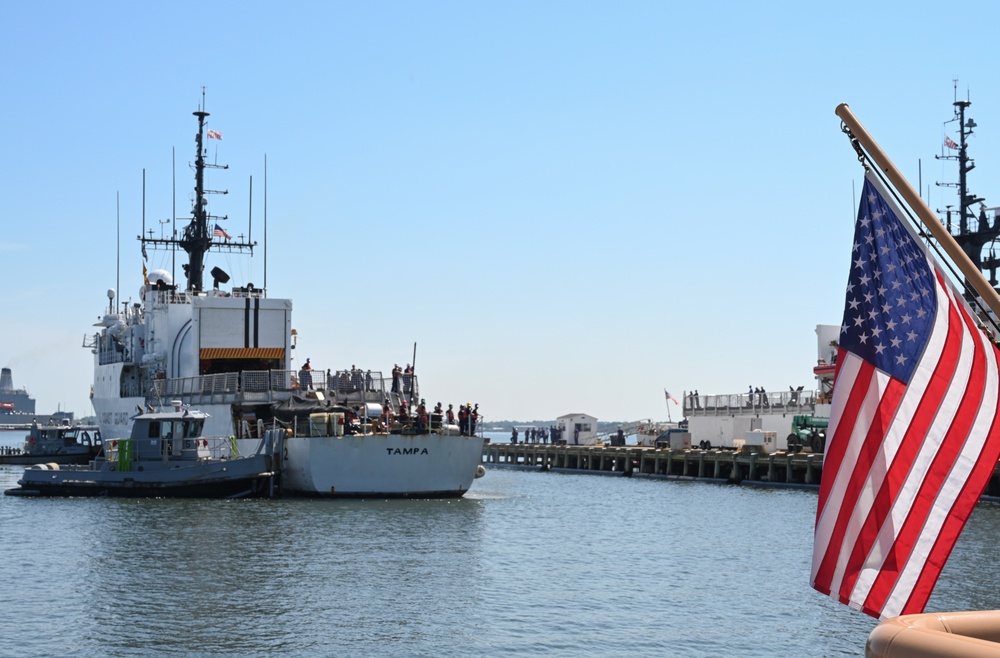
913 436
950 143
670 397
214 134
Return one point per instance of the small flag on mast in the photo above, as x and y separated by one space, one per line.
670 397
913 436
214 134
950 143
219 233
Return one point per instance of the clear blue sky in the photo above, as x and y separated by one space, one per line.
569 206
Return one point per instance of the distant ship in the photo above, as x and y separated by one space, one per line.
13 400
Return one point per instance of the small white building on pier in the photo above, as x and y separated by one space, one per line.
578 429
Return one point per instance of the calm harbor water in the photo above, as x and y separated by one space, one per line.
528 564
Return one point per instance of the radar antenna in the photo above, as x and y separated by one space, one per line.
198 238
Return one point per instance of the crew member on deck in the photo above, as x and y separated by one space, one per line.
421 417
305 376
436 416
387 414
396 372
408 379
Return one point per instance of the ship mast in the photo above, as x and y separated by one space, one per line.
197 239
974 232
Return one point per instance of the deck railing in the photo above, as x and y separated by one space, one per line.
271 385
739 404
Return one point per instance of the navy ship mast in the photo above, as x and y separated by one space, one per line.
197 237
974 232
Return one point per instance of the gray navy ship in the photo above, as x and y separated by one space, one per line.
14 400
17 408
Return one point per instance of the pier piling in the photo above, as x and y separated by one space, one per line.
717 465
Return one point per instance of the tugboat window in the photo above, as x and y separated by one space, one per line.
154 429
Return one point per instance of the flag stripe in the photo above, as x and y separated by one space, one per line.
874 543
880 401
926 480
951 522
967 481
851 431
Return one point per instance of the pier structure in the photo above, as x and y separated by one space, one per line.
746 466
801 469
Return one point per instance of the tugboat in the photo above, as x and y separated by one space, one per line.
228 352
166 456
60 444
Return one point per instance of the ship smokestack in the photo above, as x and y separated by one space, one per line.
6 381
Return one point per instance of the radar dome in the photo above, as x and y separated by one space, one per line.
160 275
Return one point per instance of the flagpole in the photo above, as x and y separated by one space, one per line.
916 203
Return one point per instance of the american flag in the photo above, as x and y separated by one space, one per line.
912 440
670 397
948 141
214 134
219 233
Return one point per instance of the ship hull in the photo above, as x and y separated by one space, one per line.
381 466
247 477
65 459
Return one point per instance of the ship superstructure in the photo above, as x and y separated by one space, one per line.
198 345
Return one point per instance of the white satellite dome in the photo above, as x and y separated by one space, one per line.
160 275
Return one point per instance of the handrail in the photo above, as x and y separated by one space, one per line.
798 401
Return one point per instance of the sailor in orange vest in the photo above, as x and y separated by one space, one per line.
421 416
